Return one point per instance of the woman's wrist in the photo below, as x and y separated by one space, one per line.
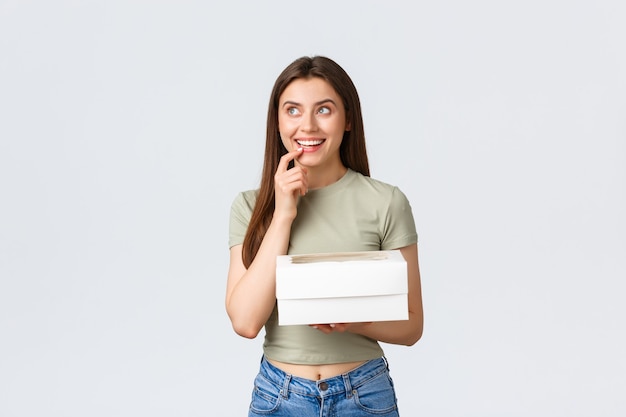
282 218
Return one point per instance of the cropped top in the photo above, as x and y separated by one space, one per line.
356 213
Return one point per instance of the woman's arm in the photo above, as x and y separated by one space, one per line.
404 332
251 292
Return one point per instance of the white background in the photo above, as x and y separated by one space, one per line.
127 128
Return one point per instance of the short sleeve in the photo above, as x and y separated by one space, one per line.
399 226
240 214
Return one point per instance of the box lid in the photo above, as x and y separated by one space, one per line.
347 274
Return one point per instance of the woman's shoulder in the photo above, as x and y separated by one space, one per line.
248 194
381 191
374 184
245 200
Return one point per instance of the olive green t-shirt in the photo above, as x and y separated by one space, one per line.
356 213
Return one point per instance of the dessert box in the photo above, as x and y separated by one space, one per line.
341 287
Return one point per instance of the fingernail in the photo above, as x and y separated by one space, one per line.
299 149
332 325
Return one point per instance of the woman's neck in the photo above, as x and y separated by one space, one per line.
321 177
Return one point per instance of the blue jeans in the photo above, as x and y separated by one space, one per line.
365 391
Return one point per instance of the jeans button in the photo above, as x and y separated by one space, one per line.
323 386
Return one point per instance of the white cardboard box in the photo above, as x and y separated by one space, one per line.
341 288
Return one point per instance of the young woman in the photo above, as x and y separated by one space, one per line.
316 195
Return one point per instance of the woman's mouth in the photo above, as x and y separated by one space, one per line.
309 144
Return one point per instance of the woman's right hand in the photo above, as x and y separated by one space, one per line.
289 184
251 291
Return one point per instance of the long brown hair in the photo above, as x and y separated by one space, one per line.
352 151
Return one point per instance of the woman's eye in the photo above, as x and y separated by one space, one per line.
292 111
324 110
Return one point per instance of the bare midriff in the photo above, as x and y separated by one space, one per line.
316 372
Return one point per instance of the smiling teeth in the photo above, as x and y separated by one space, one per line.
309 142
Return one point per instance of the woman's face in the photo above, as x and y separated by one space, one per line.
311 116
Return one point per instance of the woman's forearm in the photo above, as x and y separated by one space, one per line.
406 332
251 295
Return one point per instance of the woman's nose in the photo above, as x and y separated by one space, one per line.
309 122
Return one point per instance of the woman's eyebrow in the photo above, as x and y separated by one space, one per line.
327 100
295 103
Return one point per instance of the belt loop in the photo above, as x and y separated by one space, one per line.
386 363
284 392
348 385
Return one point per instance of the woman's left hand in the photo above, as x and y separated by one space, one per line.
339 327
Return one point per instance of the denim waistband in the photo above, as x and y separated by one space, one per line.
339 384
